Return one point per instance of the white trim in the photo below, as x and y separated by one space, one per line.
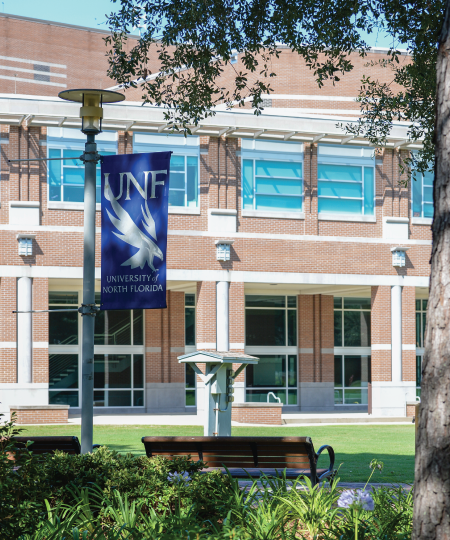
40 344
329 216
211 345
273 215
184 210
177 350
408 347
61 205
299 237
24 204
34 71
381 346
27 61
32 81
222 212
421 221
46 228
393 219
8 345
362 351
327 351
237 346
306 351
23 386
262 349
152 349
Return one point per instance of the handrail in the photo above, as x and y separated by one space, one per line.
274 397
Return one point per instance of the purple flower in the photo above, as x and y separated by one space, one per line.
356 498
177 477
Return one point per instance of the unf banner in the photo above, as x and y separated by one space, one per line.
134 195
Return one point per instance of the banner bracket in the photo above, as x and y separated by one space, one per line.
89 309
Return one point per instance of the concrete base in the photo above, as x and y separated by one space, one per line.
22 394
165 397
390 398
317 397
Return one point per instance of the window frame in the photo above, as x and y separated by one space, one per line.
193 347
101 350
418 177
64 143
343 388
420 345
181 146
342 309
279 158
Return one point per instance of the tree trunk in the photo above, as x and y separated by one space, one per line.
432 471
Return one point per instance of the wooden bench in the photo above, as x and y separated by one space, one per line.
244 456
44 445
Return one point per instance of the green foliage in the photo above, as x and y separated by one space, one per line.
182 57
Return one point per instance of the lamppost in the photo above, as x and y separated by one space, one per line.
91 114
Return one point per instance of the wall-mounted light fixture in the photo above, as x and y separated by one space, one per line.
223 251
25 244
399 256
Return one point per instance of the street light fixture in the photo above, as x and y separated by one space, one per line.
91 114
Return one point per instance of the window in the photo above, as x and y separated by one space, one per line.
66 178
346 180
118 380
63 326
189 340
421 321
184 165
272 176
352 322
351 377
118 358
271 321
274 375
272 185
422 194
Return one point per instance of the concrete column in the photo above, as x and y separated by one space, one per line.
222 316
396 332
24 331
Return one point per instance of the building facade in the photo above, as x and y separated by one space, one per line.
288 240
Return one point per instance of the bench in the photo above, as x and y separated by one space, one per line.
244 456
44 445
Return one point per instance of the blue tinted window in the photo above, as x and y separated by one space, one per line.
272 185
183 188
348 189
422 194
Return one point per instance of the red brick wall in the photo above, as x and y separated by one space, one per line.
206 312
40 330
408 333
8 329
381 333
41 416
257 415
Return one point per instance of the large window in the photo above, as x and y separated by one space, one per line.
118 380
270 320
346 181
272 176
275 376
184 165
421 321
118 359
189 340
422 194
351 377
272 185
352 322
66 177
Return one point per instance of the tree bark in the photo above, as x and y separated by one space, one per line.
432 470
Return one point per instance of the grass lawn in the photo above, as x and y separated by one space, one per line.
355 445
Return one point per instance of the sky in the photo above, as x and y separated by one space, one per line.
92 13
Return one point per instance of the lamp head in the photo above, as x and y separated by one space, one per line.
91 112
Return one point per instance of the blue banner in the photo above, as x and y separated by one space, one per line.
134 194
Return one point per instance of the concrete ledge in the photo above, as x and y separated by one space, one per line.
40 414
256 405
40 407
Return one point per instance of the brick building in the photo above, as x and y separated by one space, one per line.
315 285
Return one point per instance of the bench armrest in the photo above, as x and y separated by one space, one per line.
330 451
94 446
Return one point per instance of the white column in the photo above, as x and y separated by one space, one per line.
24 331
396 333
222 316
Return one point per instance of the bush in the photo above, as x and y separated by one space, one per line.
107 496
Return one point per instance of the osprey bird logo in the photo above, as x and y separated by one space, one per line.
131 234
